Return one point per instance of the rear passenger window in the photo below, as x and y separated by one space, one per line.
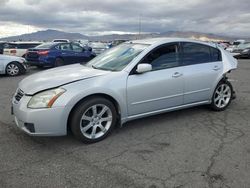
215 54
65 47
195 53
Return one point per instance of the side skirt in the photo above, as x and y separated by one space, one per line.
129 118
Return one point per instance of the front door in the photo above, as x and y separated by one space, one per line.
160 88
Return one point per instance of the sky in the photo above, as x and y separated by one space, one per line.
98 17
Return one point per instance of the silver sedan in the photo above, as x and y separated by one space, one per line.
133 80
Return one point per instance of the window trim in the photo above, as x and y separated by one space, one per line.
133 71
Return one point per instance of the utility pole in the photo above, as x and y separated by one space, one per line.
139 24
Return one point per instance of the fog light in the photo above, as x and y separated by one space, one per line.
30 127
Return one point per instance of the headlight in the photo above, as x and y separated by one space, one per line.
45 99
246 51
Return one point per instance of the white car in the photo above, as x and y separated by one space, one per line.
12 65
19 48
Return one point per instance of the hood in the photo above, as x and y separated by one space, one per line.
56 77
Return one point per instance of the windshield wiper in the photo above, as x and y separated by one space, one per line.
94 67
101 68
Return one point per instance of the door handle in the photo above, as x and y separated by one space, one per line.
177 74
216 68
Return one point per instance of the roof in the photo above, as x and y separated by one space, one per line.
26 42
158 41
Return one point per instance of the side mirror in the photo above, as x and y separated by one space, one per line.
141 68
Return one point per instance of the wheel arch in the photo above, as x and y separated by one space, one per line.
58 57
221 78
106 96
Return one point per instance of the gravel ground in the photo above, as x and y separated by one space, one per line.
188 148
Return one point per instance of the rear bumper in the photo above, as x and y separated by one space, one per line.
35 63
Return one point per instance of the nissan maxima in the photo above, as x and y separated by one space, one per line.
133 80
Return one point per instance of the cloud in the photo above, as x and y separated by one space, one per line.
96 16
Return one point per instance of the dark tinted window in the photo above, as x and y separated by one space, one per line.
195 53
215 54
26 46
9 46
163 57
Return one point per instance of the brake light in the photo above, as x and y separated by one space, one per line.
46 52
12 51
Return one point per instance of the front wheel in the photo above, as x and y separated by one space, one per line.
13 69
222 96
93 120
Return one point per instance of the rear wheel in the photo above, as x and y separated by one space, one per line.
59 62
13 69
93 120
222 96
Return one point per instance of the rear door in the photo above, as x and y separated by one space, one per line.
160 88
81 55
67 53
202 66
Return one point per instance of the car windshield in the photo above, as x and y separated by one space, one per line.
45 46
243 46
98 45
117 58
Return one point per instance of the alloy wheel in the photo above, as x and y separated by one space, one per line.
96 121
222 96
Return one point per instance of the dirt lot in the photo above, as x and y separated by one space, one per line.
188 148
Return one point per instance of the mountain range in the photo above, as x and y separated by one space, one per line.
48 35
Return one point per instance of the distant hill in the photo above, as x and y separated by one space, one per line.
48 35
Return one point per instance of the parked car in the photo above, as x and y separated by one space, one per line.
118 41
242 51
19 48
58 54
60 40
98 47
12 65
2 45
234 45
133 80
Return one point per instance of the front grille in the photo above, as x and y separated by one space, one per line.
19 95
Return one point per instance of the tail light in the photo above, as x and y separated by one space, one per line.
43 53
12 51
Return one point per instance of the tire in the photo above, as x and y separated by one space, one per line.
223 95
87 122
59 62
13 69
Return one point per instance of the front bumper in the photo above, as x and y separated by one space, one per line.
39 122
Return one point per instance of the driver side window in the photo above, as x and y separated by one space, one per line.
163 57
